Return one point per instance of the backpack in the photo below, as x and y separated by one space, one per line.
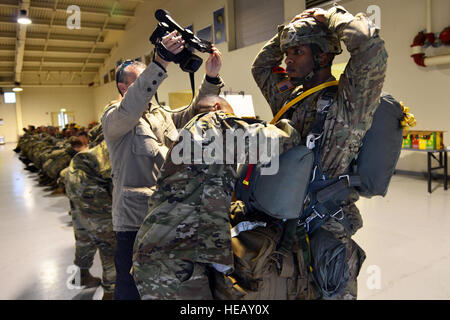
375 165
380 148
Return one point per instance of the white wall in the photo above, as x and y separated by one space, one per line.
39 102
102 96
424 90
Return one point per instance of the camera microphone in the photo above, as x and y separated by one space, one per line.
161 14
164 16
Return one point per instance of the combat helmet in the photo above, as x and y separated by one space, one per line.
307 31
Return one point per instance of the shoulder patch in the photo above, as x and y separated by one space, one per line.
284 86
278 69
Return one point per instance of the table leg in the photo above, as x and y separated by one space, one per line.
429 171
445 170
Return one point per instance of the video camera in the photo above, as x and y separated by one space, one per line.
188 61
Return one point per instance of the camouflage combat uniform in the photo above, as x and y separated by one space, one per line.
57 161
43 143
89 187
95 136
350 115
188 225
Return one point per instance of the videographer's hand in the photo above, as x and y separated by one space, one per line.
173 43
214 63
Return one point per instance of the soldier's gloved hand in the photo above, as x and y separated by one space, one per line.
316 13
214 63
173 43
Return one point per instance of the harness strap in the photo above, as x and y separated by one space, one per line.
285 108
301 97
334 189
326 204
303 238
287 265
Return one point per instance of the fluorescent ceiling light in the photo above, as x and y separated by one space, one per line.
17 89
23 18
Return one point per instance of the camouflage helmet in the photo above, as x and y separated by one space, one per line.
308 31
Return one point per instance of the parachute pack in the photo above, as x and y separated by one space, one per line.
281 195
299 195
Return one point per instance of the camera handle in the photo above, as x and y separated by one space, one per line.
164 53
191 78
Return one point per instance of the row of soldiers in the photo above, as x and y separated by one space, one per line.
75 162
47 150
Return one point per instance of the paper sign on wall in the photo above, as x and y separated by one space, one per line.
241 104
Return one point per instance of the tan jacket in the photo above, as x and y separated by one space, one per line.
138 140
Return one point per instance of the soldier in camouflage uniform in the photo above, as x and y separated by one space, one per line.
187 229
89 187
40 143
95 136
60 159
310 42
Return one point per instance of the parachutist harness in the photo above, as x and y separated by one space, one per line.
324 195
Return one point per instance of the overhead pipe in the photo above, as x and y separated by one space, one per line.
417 47
20 42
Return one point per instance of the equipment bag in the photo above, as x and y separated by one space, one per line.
380 148
280 195
261 271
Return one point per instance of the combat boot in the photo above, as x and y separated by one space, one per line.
58 190
25 160
87 279
108 296
32 168
44 180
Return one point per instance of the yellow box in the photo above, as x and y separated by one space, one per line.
424 137
422 144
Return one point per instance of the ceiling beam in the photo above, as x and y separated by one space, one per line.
54 36
98 61
85 9
49 31
63 60
48 6
49 69
21 34
68 50
62 23
5 84
100 34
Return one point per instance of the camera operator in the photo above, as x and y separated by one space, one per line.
138 135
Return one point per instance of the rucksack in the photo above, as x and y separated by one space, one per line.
380 148
279 194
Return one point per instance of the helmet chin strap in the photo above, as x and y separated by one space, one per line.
309 76
300 81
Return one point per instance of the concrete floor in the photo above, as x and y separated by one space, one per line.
405 236
36 238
